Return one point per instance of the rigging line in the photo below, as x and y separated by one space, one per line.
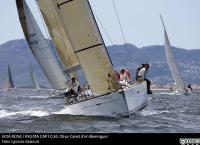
107 34
49 36
104 28
98 31
121 30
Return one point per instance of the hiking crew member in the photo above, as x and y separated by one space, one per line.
110 82
189 87
124 78
128 75
73 87
138 79
142 76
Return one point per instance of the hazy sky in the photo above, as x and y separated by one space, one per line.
139 18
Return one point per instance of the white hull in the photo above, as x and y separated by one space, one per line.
116 104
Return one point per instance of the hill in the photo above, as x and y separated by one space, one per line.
18 54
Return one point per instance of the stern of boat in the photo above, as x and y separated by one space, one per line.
136 97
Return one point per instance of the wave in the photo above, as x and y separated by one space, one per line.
39 97
152 112
36 113
63 111
167 93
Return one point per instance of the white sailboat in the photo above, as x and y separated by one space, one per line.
180 87
40 47
75 21
35 83
8 83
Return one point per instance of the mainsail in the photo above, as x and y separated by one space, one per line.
180 85
35 83
79 24
59 36
9 81
40 47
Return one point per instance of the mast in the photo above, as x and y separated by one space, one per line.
80 26
172 63
40 47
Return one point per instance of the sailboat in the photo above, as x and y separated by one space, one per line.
40 47
180 87
8 80
35 83
75 21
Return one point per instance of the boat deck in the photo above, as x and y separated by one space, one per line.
84 96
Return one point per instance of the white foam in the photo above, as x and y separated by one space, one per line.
152 112
38 113
63 111
4 113
39 97
168 93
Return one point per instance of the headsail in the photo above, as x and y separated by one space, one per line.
40 47
9 81
78 22
59 36
172 64
35 83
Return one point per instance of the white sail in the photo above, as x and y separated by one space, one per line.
80 26
35 83
59 36
180 85
40 47
8 80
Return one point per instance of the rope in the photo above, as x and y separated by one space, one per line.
107 34
122 32
104 29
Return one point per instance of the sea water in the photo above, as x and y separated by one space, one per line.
31 111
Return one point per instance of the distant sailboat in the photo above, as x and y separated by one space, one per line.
180 85
8 80
35 83
75 21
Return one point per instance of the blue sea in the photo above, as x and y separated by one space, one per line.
31 111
